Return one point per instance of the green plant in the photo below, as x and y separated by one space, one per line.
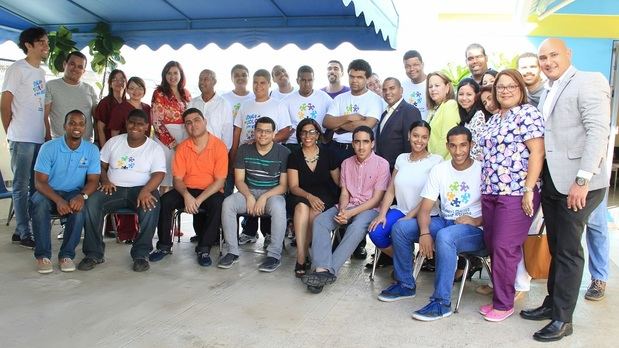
456 72
502 61
60 45
105 50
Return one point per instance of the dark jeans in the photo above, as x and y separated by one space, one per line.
206 223
99 204
564 228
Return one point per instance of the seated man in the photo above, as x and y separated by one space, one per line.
66 172
132 167
199 171
457 183
260 177
364 179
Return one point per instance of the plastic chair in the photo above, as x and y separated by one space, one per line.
418 263
6 194
121 211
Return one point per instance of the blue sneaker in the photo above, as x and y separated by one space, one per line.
158 255
204 259
396 292
433 311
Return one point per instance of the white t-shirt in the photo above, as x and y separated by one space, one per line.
314 106
411 179
368 104
129 166
64 98
218 114
459 190
252 110
276 94
27 84
236 100
415 94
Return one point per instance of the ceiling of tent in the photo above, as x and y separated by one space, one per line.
367 24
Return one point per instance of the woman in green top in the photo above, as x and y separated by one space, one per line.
442 111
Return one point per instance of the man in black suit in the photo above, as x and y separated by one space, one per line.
393 128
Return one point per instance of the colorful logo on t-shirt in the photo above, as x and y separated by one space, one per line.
125 162
38 88
307 110
351 109
235 110
250 123
458 194
83 163
415 98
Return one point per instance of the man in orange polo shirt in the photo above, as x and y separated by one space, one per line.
199 171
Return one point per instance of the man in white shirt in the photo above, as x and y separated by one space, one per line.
415 85
306 102
284 87
21 107
214 107
132 167
70 92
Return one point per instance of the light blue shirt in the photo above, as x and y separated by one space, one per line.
66 168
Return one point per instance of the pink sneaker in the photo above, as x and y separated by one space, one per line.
485 309
496 315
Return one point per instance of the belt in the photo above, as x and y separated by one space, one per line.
344 146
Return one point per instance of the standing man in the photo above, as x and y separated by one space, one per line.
132 167
284 87
305 103
22 110
394 126
69 92
214 107
199 170
364 180
335 71
576 110
528 66
415 86
477 61
260 177
66 174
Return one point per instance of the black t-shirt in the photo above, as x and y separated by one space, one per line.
319 182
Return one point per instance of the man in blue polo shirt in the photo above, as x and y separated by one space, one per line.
66 172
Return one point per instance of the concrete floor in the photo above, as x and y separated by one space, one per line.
179 304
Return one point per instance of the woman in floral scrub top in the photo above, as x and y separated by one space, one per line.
168 104
513 149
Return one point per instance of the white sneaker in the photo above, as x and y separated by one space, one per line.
66 265
244 239
44 265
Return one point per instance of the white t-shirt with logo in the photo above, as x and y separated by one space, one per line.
415 94
314 106
236 101
132 166
459 191
27 85
252 110
369 104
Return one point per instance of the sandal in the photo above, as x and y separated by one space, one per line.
300 269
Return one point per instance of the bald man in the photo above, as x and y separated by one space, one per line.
576 110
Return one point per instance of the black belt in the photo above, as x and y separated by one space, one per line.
344 146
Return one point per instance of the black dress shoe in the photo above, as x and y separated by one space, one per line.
360 253
539 313
554 331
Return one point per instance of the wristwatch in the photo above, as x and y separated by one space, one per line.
85 196
580 181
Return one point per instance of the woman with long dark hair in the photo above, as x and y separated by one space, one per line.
117 81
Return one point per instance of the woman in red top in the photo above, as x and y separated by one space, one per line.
116 95
136 90
168 104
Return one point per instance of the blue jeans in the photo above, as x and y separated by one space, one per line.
381 235
41 210
598 242
23 156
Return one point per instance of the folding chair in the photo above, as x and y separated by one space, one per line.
6 194
483 256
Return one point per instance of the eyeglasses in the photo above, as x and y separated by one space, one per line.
509 88
263 131
312 132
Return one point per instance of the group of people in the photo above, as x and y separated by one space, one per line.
412 161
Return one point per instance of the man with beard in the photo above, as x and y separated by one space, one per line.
66 174
132 167
335 71
528 66
477 61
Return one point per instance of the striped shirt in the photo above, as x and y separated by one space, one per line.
262 171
